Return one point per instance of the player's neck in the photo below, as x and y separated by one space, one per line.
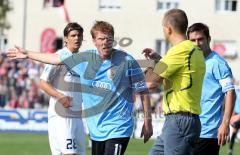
176 39
108 56
72 50
207 52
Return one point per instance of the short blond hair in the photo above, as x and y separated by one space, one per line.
102 26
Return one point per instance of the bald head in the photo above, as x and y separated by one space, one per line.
177 19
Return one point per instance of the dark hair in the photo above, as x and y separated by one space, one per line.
72 26
102 26
199 27
177 19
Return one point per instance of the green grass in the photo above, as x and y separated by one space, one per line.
137 147
28 144
24 144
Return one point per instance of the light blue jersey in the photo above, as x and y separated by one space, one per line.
237 103
107 91
217 81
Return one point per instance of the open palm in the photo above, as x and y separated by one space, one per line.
16 53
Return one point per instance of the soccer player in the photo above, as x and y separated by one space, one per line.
109 79
66 134
181 71
235 122
218 88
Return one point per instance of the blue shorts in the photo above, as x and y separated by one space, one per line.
179 135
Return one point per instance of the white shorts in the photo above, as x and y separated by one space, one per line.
66 135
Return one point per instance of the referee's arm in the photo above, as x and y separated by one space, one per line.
153 80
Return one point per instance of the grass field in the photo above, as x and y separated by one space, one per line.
28 144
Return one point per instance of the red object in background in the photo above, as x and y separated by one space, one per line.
219 48
58 3
61 5
65 13
47 40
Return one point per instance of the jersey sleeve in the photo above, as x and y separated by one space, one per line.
237 103
136 75
168 65
72 62
46 72
223 74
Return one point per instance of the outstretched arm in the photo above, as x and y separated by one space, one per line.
153 80
223 130
20 53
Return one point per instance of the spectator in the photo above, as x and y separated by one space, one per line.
19 88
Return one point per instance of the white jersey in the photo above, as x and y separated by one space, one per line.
64 81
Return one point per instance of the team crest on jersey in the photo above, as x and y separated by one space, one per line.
111 73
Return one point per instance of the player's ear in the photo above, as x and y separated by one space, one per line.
209 39
168 30
94 41
65 39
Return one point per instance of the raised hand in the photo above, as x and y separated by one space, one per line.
151 54
17 53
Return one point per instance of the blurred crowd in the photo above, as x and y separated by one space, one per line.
156 103
19 84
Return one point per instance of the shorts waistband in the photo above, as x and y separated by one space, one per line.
183 113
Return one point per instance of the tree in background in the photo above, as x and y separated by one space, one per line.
4 9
